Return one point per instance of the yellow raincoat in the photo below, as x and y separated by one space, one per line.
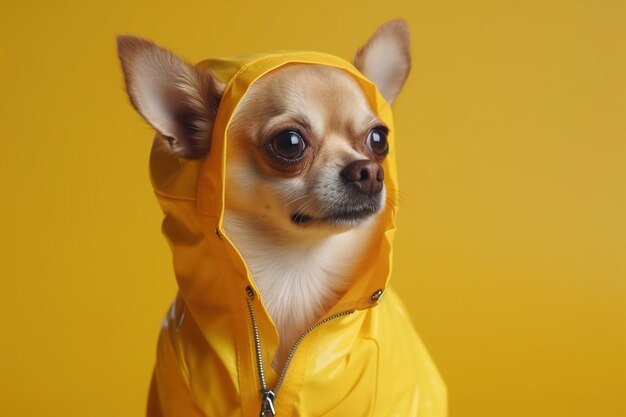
365 359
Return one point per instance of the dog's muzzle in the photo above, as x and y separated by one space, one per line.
357 196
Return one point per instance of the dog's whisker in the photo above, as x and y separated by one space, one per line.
304 205
288 203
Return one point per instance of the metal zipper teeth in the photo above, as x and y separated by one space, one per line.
257 344
299 340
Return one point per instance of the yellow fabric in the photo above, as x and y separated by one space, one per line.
370 363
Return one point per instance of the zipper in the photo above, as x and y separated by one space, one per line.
268 396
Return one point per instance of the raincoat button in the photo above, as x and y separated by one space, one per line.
376 295
250 292
218 234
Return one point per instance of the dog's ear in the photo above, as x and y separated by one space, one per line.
179 100
386 59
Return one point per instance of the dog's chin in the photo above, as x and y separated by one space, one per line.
338 220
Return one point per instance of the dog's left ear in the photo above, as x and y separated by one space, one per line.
386 59
178 99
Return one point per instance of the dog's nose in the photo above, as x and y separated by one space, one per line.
367 175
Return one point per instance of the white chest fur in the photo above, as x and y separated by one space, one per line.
298 280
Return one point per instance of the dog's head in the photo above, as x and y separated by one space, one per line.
305 150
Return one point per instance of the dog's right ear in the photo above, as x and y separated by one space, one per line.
386 58
179 100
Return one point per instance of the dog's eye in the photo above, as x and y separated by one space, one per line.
288 145
377 141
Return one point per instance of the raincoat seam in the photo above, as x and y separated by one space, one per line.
241 361
375 400
173 197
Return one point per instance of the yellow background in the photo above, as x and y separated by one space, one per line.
511 246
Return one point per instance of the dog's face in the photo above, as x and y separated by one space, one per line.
305 151
304 147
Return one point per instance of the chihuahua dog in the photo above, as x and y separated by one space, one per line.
304 170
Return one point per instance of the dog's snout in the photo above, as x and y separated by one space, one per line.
367 175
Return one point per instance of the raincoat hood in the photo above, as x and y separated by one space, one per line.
365 360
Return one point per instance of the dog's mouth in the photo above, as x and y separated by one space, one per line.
345 217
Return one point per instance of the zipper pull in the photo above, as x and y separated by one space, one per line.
267 403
